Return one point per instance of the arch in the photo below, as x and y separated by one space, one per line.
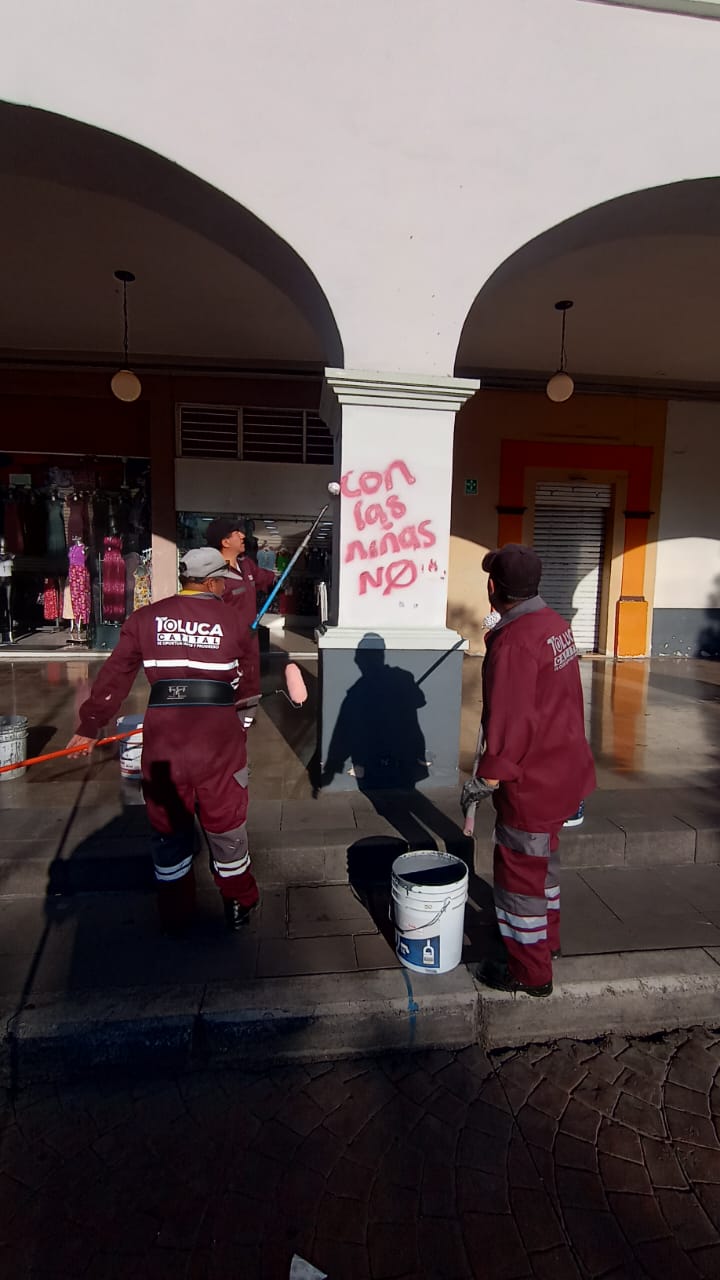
607 259
642 349
37 144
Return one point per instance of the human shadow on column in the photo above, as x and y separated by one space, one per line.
379 732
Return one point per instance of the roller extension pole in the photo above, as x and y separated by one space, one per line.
67 751
288 567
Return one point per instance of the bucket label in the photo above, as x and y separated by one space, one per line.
423 952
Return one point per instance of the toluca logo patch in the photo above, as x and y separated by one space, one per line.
196 635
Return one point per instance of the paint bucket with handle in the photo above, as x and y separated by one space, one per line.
429 892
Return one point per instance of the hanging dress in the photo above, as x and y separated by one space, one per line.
143 583
51 600
78 521
113 581
56 544
79 584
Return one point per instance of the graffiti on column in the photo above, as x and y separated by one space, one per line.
390 546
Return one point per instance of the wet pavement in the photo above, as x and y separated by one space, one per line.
570 1160
651 724
642 874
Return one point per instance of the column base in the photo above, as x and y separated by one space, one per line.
390 708
631 631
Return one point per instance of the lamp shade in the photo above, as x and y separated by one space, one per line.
559 388
125 385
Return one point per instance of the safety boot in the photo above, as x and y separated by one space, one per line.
236 915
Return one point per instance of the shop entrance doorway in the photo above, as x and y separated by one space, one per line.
569 536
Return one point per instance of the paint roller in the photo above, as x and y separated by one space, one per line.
296 688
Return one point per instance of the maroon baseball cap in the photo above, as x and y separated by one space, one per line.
515 570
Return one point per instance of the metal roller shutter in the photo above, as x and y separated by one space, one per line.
570 523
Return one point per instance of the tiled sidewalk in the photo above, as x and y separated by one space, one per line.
560 1162
97 940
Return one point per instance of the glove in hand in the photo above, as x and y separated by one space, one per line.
474 790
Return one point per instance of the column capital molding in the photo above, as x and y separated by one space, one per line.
376 389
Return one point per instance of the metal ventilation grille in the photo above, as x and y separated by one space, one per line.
208 433
318 441
273 435
254 435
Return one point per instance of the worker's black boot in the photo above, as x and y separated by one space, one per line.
236 915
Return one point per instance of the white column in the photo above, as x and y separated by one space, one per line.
395 436
395 448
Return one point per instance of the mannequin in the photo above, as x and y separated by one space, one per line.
79 585
6 571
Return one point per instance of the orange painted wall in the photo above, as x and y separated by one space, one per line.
502 435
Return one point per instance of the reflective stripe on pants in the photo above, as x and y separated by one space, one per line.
527 901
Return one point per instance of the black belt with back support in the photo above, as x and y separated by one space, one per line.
191 693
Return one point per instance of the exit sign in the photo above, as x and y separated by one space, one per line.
471 488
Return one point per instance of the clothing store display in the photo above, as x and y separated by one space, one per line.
266 559
79 582
132 562
69 524
78 522
6 570
101 509
56 543
34 517
12 527
51 600
143 583
113 581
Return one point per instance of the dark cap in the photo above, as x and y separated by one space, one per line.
515 570
221 528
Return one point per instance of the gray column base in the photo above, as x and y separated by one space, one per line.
390 709
686 633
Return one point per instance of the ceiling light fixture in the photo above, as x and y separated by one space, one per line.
125 385
561 386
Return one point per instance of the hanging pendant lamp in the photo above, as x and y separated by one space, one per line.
561 386
125 384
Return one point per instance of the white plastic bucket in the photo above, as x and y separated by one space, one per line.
13 744
429 892
130 748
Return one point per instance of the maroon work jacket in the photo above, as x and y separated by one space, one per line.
533 720
241 594
184 637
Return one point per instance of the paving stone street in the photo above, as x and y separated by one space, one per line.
570 1160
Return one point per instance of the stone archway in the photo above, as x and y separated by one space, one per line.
641 346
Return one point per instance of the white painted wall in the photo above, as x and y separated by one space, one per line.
405 150
271 488
688 554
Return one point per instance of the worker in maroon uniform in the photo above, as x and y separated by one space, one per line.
194 759
534 761
244 581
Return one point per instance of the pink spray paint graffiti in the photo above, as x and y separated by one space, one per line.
383 531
